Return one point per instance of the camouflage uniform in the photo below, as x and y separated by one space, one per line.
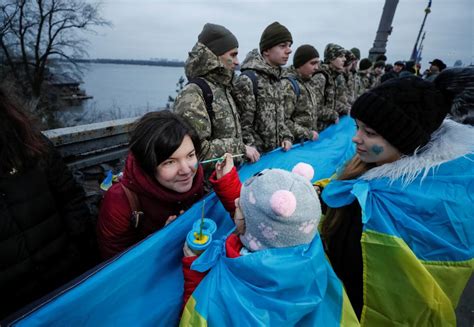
364 83
349 77
357 84
349 83
374 79
324 81
343 105
263 118
301 114
219 131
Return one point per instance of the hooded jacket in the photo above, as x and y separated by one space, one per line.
219 130
114 230
363 83
324 81
262 118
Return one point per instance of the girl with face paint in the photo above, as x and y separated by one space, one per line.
402 140
372 147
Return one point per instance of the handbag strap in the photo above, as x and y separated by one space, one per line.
134 205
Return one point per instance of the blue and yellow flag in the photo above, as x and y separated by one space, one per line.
417 243
293 286
143 286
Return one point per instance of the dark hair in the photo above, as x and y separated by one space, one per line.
21 143
157 135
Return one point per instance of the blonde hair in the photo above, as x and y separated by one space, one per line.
353 169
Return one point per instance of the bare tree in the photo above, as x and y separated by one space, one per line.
36 34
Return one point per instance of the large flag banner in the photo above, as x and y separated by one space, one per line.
143 286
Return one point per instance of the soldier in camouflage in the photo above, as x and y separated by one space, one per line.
344 86
349 76
377 73
331 87
214 59
262 113
301 110
355 75
363 76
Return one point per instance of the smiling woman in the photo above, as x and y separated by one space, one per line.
398 207
161 180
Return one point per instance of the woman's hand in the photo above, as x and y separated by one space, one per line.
172 218
224 167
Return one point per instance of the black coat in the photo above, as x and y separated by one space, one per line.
344 250
46 232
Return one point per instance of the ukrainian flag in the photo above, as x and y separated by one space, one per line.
143 286
293 286
417 243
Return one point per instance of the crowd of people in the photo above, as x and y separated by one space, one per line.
47 236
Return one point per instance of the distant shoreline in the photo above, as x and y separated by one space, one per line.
165 63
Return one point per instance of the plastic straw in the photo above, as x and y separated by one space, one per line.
202 219
220 158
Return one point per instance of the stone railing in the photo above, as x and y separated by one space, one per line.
89 145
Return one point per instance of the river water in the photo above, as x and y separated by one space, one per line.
121 91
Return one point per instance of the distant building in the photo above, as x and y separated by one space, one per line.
65 88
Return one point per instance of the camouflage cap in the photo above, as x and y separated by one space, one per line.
333 51
356 53
350 58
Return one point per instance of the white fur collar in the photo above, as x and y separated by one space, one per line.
450 141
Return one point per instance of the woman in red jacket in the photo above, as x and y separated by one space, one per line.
161 179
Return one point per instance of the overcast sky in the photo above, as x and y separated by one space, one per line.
144 29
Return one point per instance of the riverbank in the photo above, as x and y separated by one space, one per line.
161 62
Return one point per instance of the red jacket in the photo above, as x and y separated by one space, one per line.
227 189
114 231
192 278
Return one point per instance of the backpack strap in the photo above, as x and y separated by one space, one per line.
326 83
294 85
206 92
134 205
253 77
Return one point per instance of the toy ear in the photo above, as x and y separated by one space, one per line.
304 170
283 203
